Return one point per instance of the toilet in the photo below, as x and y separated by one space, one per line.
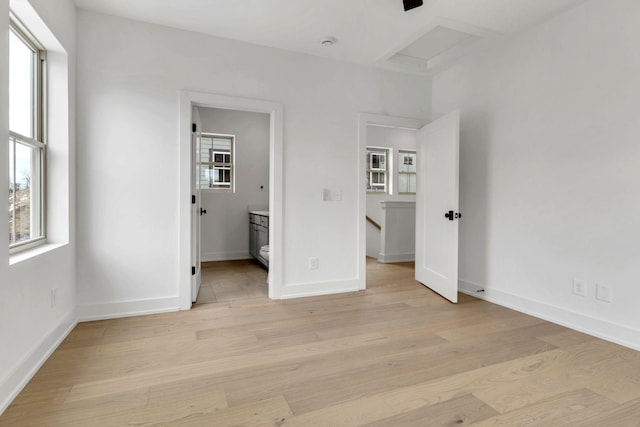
264 253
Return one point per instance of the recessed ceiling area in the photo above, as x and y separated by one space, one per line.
367 30
436 42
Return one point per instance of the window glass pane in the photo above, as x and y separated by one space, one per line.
403 183
407 162
206 149
205 177
21 86
11 194
24 173
222 144
412 183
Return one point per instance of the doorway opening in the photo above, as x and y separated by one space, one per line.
220 174
232 167
385 187
391 178
437 186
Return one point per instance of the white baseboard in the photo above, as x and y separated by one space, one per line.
18 378
300 290
127 308
470 288
599 328
389 258
225 256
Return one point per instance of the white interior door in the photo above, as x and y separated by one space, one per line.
437 211
196 205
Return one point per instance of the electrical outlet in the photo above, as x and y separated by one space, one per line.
603 293
54 291
313 263
580 287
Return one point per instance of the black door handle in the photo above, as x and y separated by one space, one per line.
451 215
203 211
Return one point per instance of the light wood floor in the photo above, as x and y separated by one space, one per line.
232 280
395 355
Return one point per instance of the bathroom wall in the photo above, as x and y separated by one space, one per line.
225 226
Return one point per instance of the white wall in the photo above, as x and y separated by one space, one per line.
396 139
29 327
549 167
225 227
398 237
130 77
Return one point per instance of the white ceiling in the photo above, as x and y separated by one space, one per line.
368 31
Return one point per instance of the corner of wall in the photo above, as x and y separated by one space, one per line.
12 384
589 325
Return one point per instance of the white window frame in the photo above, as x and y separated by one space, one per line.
231 165
37 143
400 172
378 188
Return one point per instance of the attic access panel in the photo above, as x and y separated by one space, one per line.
442 41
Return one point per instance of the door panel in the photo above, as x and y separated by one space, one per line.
437 194
195 215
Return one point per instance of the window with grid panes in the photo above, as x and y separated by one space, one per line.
27 148
407 171
377 170
217 162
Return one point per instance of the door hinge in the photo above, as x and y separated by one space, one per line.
193 271
193 127
193 199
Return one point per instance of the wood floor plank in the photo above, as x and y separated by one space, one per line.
560 409
626 415
489 377
351 413
172 410
464 410
75 413
563 376
268 412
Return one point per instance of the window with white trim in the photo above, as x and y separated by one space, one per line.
407 171
217 161
377 170
27 148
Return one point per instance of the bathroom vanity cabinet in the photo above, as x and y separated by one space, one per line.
258 234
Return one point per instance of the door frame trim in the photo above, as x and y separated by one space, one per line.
365 119
189 99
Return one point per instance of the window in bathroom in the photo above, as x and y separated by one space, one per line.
377 170
217 162
407 171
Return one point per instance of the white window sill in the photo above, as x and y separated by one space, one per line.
33 252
